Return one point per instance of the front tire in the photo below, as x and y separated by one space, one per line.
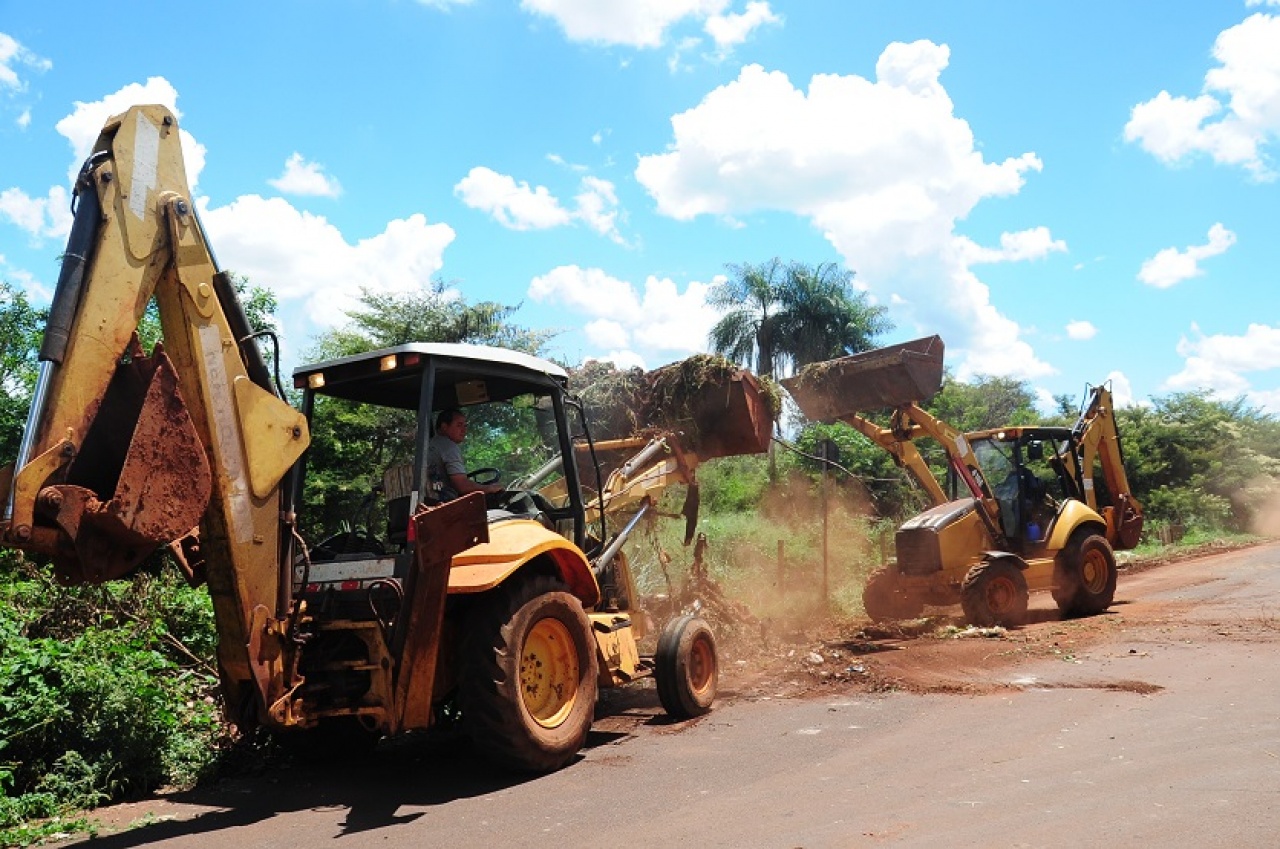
995 593
884 600
528 686
686 668
1085 575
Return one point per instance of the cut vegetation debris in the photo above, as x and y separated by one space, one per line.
720 409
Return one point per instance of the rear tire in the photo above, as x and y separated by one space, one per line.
884 600
994 593
686 668
1084 575
528 685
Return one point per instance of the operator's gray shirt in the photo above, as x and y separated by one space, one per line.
444 458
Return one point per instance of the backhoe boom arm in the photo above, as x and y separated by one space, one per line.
124 452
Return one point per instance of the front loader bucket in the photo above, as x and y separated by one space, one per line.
722 410
140 480
886 377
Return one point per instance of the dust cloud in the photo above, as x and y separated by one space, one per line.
1265 519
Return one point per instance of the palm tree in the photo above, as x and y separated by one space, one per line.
790 316
823 318
750 301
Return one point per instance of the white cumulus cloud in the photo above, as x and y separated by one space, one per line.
597 207
1236 118
41 218
733 29
1035 243
14 56
1171 266
654 322
1081 330
301 177
883 168
259 238
1221 364
514 205
632 23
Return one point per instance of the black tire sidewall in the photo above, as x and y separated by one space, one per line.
973 594
493 708
1070 593
671 668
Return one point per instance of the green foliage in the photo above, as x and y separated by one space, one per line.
733 484
105 692
1201 462
433 313
890 489
985 403
21 327
743 555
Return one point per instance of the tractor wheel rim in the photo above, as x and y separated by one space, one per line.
702 665
1000 595
549 672
1093 572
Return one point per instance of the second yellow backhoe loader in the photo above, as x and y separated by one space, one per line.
1019 509
504 615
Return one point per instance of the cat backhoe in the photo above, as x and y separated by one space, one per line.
1019 508
504 613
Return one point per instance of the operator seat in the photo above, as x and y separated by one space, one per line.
397 486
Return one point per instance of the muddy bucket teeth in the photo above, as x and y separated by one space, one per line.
141 479
886 377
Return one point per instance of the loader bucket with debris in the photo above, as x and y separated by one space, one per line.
139 480
886 377
719 409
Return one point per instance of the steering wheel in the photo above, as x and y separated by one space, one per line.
485 477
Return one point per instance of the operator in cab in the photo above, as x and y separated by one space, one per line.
445 468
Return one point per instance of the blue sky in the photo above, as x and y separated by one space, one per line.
1065 192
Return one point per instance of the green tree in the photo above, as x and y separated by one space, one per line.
780 317
433 313
1201 462
21 326
984 403
822 316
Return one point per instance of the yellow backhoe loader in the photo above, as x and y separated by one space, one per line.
502 612
1020 508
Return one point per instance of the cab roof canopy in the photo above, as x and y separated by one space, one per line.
464 375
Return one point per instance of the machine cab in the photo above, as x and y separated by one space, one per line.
1024 467
385 404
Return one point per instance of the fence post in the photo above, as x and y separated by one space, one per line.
782 574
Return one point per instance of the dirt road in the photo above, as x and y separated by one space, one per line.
1155 724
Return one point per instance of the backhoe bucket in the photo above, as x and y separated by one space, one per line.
873 380
142 454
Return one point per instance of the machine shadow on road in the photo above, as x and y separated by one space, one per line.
375 791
